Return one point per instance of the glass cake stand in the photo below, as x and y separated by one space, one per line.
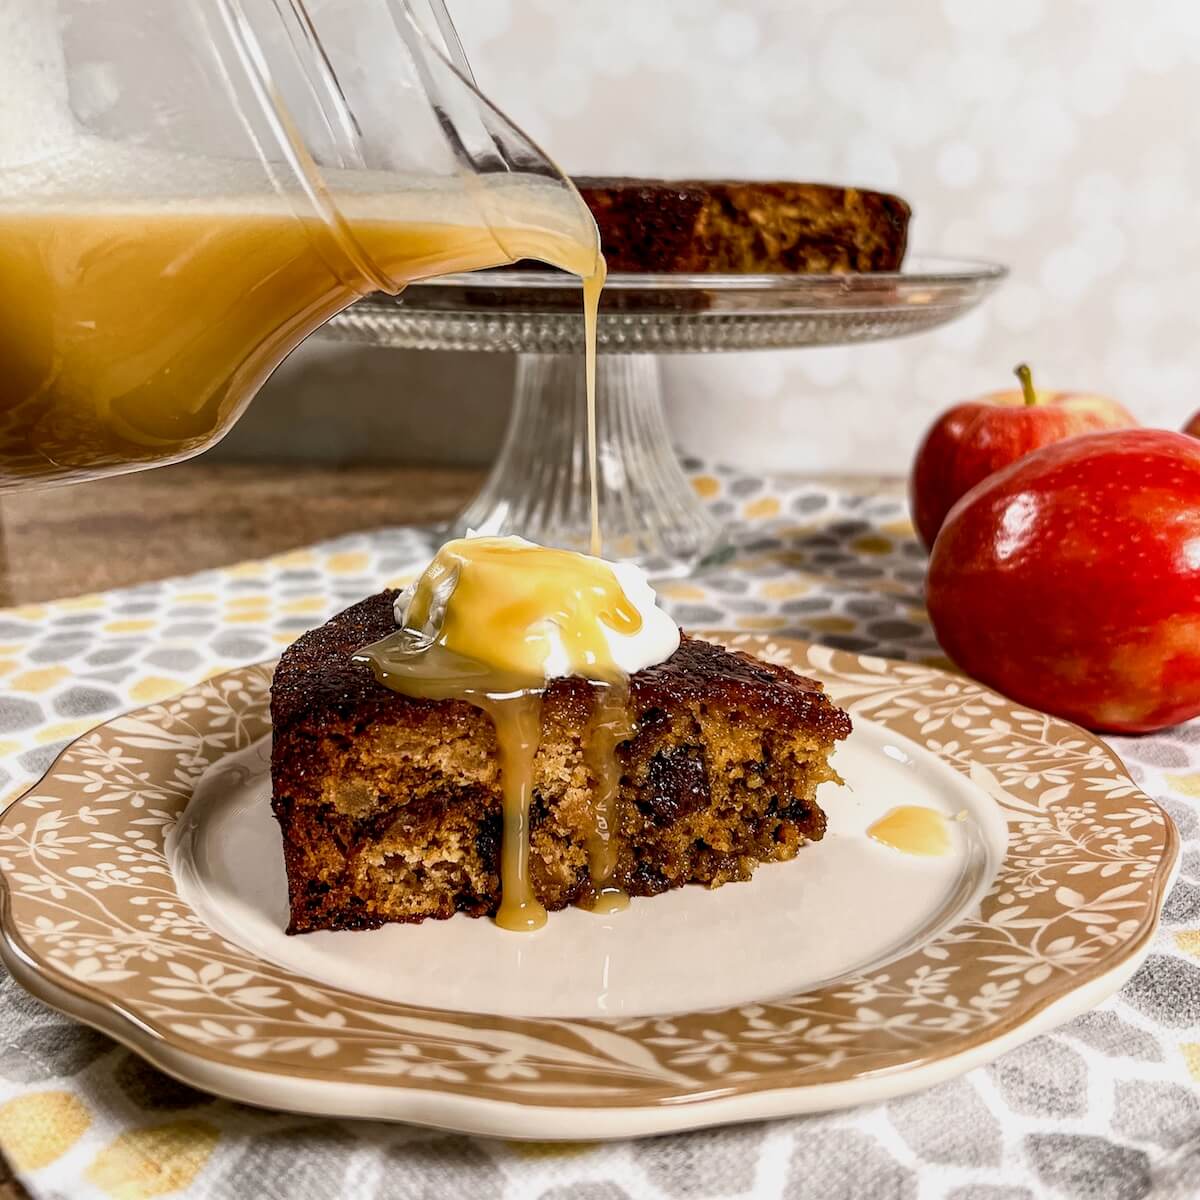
538 486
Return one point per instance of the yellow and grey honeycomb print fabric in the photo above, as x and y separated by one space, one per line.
1108 1106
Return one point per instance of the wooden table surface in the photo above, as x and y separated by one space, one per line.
115 532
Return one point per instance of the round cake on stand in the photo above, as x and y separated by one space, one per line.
538 486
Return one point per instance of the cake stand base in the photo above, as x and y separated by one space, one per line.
538 487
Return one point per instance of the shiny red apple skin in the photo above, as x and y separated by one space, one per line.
970 441
1070 580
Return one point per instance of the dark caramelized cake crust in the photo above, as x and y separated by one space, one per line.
730 227
390 807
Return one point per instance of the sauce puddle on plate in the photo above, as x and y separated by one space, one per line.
913 829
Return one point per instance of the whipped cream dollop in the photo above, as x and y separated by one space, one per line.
528 609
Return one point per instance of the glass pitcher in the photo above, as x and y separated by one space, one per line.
188 190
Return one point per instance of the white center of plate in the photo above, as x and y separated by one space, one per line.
842 905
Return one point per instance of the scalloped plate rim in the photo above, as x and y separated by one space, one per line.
484 1117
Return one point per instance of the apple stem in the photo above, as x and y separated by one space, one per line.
1025 375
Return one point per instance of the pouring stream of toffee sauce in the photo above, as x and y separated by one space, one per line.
529 591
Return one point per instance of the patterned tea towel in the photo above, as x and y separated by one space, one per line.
1106 1107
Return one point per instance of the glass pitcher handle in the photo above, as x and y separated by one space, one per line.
449 35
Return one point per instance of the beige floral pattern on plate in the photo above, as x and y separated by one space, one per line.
91 902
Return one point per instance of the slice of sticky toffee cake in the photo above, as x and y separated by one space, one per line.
390 806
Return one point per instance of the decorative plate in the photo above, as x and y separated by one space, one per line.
853 973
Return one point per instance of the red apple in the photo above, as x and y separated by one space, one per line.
1070 580
970 441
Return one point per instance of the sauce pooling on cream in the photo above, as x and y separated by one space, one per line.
491 621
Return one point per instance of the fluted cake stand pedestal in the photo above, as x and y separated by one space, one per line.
538 486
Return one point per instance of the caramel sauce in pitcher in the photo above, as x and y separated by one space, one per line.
134 333
486 623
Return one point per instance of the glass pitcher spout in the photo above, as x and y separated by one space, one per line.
380 98
186 191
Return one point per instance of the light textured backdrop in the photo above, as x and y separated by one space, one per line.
1059 136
